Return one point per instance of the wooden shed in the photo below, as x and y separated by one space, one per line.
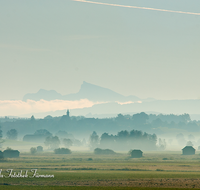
10 153
188 150
136 153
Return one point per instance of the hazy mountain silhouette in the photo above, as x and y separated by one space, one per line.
159 106
87 91
43 94
96 93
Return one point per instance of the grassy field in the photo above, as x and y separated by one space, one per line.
88 171
87 188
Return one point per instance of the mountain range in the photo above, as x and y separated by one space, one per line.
87 91
111 107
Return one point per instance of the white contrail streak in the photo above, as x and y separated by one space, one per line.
135 7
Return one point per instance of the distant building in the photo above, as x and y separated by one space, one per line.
10 153
67 113
188 150
136 154
65 118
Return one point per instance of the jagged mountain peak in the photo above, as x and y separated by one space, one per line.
92 88
87 91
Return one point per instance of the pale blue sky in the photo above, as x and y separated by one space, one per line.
57 45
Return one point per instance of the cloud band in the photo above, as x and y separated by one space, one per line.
18 107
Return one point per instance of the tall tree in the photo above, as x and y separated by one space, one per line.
120 118
1 135
94 139
140 118
12 134
52 142
67 142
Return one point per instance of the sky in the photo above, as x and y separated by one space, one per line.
56 45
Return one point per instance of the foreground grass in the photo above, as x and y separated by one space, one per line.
86 188
108 172
82 175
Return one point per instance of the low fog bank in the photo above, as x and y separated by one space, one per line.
177 141
121 142
148 132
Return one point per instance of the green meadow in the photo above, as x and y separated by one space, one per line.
85 170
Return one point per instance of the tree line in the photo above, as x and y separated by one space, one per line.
124 140
80 125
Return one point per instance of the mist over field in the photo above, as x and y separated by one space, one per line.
148 132
99 94
97 117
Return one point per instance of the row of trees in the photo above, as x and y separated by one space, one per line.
143 118
53 142
39 149
150 123
124 140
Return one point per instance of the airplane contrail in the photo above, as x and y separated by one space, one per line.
135 7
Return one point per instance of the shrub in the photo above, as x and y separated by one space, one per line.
103 151
160 170
62 151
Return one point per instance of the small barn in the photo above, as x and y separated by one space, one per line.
136 153
10 153
188 150
1 154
